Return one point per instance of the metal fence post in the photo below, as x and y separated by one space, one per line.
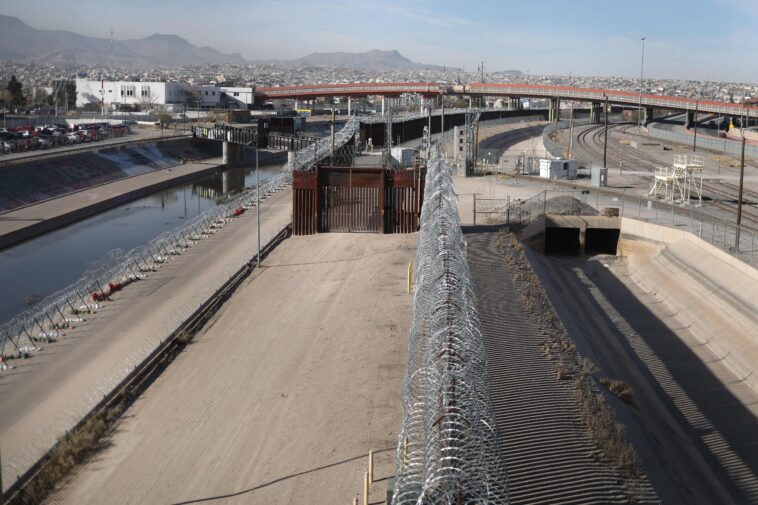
474 195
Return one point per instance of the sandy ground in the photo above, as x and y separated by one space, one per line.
693 421
48 394
282 396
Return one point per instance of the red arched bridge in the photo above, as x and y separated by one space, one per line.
555 93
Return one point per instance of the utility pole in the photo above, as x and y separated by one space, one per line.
571 121
639 107
258 205
739 197
442 118
332 131
605 139
694 118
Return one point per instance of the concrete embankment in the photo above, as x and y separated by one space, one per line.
31 220
26 222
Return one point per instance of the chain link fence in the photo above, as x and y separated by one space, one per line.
738 241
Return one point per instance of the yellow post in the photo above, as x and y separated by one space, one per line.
365 488
405 450
410 276
371 466
355 501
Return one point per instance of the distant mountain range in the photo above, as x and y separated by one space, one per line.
21 42
374 59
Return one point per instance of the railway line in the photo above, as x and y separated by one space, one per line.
721 195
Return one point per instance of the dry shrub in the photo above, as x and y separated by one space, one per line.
71 449
620 389
608 435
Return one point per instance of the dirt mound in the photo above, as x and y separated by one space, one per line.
569 206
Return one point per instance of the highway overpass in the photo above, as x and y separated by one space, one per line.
555 93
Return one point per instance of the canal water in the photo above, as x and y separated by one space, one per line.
41 266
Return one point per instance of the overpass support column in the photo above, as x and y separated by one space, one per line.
596 112
554 110
690 119
648 115
296 104
231 153
349 103
515 104
382 106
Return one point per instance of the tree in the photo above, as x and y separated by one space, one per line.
164 119
63 95
15 90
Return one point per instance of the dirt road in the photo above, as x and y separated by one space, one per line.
294 380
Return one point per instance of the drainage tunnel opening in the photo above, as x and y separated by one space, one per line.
601 240
562 241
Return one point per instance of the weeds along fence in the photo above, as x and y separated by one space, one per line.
447 452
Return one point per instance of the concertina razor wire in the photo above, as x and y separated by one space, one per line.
448 452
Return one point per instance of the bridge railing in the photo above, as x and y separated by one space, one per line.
448 451
225 133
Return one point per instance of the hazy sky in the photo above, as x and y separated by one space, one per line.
696 39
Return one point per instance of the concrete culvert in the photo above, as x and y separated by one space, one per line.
601 240
562 241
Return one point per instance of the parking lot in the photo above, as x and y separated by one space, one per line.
29 138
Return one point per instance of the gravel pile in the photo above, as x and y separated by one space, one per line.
569 206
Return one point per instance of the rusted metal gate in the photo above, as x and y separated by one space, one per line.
350 200
354 199
304 202
404 190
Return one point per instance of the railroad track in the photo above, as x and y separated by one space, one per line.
720 195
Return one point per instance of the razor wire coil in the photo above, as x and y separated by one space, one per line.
448 451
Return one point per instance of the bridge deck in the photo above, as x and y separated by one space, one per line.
297 377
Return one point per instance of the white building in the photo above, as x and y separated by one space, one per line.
146 95
207 96
237 97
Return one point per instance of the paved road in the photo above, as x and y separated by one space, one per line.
279 401
48 394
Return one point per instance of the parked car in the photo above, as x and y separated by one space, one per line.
73 138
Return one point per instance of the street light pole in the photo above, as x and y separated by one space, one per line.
639 107
258 205
605 137
694 137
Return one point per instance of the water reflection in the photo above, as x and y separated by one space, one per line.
41 266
